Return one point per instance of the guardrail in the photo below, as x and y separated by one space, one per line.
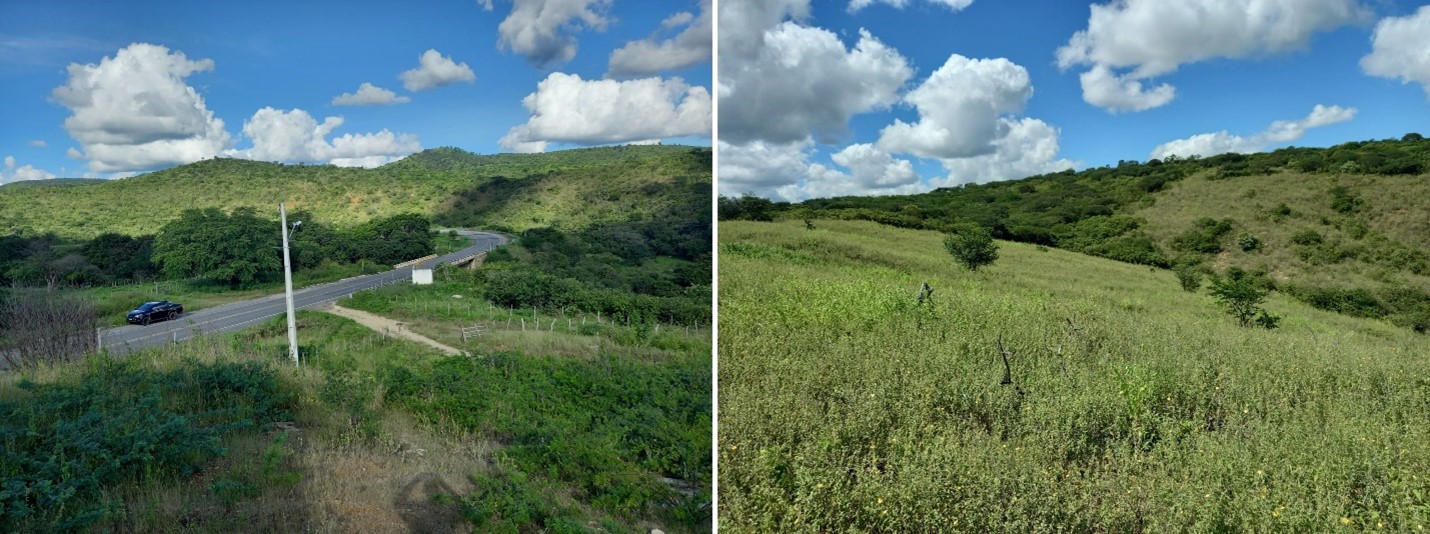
414 262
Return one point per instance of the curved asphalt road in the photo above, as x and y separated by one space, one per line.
240 315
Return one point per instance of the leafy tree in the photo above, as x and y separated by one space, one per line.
747 207
971 245
237 248
121 257
1241 294
394 239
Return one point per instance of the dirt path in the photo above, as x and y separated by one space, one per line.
389 326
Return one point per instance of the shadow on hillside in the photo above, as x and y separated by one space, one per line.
427 504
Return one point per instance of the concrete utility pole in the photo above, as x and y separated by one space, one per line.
288 285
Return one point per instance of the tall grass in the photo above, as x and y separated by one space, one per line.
1134 406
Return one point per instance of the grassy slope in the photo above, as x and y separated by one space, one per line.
1394 207
423 183
842 407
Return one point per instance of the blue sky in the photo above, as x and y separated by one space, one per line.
1243 75
281 65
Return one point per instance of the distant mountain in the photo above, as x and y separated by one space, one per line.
57 182
571 188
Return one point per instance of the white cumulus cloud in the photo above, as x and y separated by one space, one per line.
761 167
567 109
783 170
537 29
1281 131
37 143
369 95
871 172
804 81
295 136
435 70
134 112
959 108
1149 38
1401 49
10 173
692 46
1028 147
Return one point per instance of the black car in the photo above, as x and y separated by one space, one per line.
149 312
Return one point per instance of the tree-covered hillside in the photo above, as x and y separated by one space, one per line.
536 190
1345 228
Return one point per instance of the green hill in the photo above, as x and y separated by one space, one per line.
1344 228
513 191
1131 405
57 182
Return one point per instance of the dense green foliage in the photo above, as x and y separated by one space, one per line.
1204 237
236 248
1133 406
601 425
65 443
651 272
971 245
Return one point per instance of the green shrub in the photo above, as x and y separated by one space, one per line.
1247 242
1356 302
971 245
1204 237
1281 212
121 422
1189 276
1344 201
1242 294
1306 237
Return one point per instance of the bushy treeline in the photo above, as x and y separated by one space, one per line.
1070 210
236 247
642 272
1044 209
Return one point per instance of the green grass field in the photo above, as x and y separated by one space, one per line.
1134 406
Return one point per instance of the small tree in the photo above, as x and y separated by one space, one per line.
1242 296
1190 276
971 245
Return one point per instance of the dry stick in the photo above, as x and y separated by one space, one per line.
1007 370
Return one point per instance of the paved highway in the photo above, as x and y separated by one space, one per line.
240 315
